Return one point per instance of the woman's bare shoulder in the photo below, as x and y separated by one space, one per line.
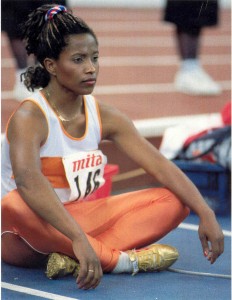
28 118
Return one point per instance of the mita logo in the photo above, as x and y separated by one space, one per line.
91 160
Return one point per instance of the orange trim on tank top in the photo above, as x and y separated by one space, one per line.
61 125
99 116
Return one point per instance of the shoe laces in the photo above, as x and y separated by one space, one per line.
145 260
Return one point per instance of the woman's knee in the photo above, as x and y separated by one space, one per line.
10 217
16 252
14 212
176 204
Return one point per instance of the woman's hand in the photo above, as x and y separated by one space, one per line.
37 191
211 237
90 273
119 129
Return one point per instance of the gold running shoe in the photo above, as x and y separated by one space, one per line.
60 265
156 257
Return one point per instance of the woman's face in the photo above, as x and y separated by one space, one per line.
77 68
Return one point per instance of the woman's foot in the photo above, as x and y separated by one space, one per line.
60 265
156 257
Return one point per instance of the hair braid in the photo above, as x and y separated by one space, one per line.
47 38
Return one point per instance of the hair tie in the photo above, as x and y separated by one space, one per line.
53 11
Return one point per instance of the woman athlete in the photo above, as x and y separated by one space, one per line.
51 163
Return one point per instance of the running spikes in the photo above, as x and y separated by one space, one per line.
154 258
60 265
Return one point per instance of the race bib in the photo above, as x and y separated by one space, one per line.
84 172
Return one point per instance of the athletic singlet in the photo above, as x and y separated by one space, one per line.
73 166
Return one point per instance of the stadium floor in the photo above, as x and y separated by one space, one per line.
19 283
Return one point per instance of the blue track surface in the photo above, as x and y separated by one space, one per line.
151 286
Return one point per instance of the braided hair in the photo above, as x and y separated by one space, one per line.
45 33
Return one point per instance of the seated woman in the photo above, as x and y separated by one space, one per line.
51 163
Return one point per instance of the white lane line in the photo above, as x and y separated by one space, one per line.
127 26
137 61
5 95
141 26
159 60
163 88
195 228
158 41
38 293
126 89
8 63
152 41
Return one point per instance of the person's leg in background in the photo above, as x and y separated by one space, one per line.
190 17
13 14
191 77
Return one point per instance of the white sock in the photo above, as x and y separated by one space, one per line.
124 264
189 64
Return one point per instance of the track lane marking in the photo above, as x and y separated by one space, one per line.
34 292
194 227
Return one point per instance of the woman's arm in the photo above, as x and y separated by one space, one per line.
118 128
27 133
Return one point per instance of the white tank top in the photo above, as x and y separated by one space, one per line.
74 166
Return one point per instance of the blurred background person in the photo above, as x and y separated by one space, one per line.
190 17
13 14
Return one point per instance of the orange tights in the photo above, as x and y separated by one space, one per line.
121 222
